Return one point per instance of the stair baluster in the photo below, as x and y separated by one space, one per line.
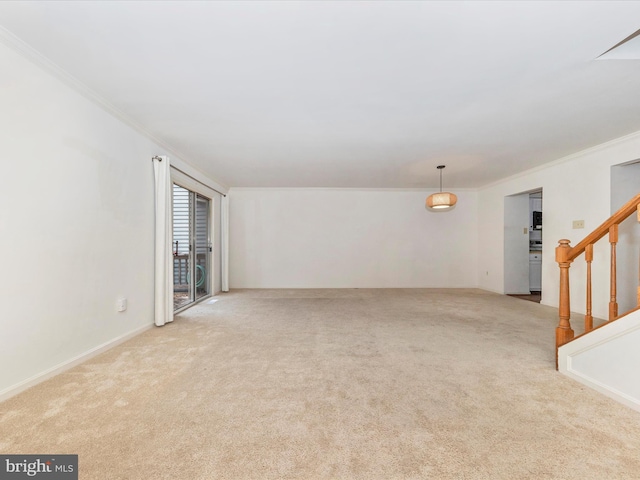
588 318
613 240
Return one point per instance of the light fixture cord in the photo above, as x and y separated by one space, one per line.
440 180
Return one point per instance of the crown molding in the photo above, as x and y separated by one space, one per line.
38 59
567 158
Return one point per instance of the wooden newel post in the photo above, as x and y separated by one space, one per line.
564 333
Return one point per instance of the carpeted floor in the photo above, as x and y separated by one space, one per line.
332 384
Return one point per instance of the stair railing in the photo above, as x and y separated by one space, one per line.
565 255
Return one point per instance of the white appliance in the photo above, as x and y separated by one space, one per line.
535 272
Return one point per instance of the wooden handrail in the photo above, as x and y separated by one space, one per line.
617 218
565 255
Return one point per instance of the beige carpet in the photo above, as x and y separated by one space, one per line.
332 384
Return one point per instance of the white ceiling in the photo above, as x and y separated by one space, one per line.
351 94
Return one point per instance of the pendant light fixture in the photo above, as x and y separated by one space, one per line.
443 199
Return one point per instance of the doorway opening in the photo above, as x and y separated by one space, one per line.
191 247
523 245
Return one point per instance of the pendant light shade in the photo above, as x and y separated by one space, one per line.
442 199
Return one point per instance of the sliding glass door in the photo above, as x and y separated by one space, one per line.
191 247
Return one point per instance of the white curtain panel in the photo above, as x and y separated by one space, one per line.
224 241
163 242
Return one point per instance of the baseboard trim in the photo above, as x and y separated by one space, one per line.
53 371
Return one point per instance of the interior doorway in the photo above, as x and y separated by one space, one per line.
523 245
191 247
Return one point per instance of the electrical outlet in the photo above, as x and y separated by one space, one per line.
525 230
121 304
578 224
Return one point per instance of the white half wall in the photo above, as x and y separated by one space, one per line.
607 360
577 187
350 238
76 220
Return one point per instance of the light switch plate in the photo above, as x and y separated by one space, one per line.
578 224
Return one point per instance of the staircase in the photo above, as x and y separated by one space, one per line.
607 357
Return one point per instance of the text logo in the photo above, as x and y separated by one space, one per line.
49 467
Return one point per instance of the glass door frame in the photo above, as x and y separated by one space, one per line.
195 249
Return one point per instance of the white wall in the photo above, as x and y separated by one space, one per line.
76 225
575 188
344 238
